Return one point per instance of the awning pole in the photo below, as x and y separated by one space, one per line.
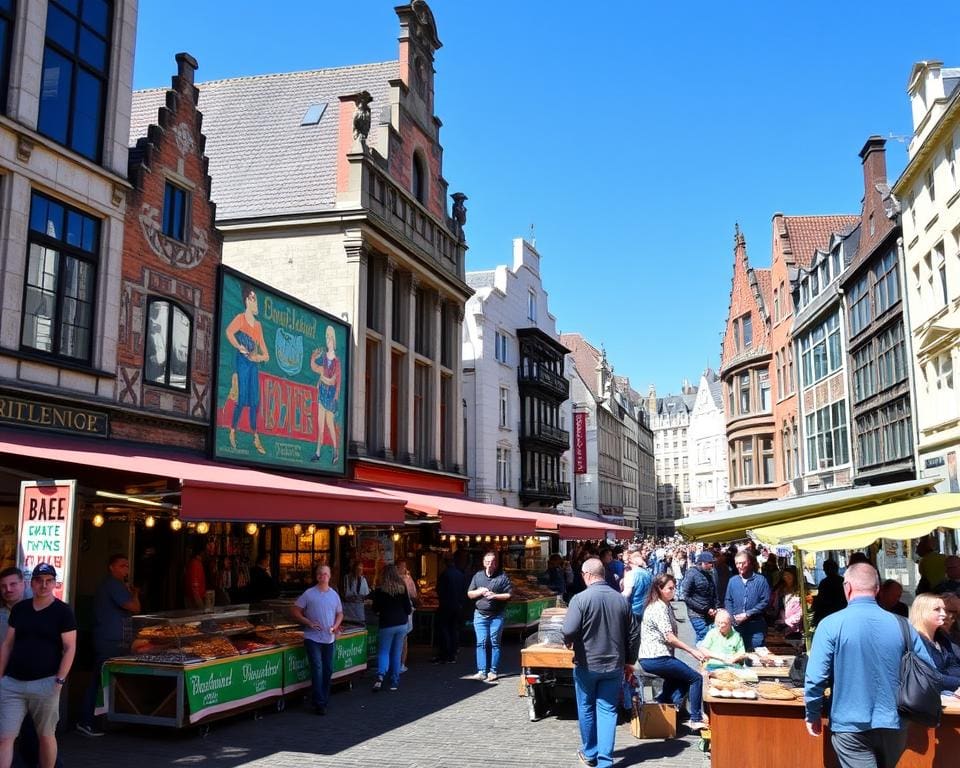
802 580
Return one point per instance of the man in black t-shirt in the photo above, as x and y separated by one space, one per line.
491 588
35 659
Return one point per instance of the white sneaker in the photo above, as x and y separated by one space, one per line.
478 676
492 677
402 669
697 725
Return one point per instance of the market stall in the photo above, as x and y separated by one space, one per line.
187 667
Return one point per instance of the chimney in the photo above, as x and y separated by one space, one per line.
186 67
874 158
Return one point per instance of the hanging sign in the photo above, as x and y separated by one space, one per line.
580 443
47 513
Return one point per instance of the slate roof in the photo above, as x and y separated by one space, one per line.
806 234
263 162
481 279
716 391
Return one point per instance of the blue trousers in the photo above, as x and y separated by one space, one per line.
389 650
488 629
679 681
700 626
321 670
597 694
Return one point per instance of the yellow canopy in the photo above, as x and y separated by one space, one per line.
734 523
853 529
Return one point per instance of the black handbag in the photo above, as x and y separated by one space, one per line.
798 670
918 698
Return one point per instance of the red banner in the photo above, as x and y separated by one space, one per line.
579 443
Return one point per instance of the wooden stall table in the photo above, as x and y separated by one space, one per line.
758 732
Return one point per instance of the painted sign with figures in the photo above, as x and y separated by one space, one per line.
282 380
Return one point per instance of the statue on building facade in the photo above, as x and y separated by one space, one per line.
361 118
459 211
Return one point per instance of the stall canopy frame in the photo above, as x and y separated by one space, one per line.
857 528
728 526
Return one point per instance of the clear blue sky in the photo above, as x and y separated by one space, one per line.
631 134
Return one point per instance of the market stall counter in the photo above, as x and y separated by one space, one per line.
187 667
528 602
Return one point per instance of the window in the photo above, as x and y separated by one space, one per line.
897 431
746 454
864 376
400 317
167 354
73 87
504 407
421 412
764 378
422 328
6 38
747 331
61 280
744 389
776 305
766 451
500 343
859 299
778 356
939 262
532 306
503 468
820 351
891 357
944 396
950 155
827 436
419 179
174 212
931 189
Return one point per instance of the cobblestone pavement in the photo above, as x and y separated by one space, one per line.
437 719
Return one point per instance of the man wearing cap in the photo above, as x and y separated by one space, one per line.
35 659
700 594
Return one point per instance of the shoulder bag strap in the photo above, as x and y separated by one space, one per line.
905 631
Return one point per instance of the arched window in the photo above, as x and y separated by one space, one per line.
166 358
419 178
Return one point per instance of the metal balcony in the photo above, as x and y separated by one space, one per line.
545 434
546 491
545 379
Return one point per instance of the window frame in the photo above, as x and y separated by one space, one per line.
64 250
165 384
77 64
185 212
10 18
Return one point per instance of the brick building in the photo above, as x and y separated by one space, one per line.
169 277
878 362
339 200
745 365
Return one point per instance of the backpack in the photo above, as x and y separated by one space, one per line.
641 590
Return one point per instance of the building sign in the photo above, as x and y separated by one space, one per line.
579 443
282 380
55 418
47 512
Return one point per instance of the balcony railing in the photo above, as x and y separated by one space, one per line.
546 433
543 377
545 490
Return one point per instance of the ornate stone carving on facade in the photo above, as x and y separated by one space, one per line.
459 212
24 148
184 139
361 118
173 252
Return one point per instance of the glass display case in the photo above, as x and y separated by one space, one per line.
189 637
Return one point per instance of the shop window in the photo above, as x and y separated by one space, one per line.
175 212
73 87
60 284
167 353
301 548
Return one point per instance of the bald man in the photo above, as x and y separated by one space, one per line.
864 672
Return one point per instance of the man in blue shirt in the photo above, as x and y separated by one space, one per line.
857 653
113 604
748 596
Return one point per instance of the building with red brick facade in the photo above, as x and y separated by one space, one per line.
745 374
169 277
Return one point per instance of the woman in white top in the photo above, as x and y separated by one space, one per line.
355 591
658 639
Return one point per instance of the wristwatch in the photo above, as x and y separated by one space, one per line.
60 680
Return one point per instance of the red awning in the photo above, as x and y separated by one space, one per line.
583 528
465 516
212 491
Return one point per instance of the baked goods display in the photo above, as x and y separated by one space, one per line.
169 631
211 648
235 626
775 691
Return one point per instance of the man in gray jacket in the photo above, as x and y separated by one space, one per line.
597 625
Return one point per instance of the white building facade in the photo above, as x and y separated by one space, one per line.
707 444
516 389
670 422
929 193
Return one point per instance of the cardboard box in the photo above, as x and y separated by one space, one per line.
653 721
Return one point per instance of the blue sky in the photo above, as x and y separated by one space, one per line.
631 135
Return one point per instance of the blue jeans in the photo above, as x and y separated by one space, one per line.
321 669
679 680
389 649
753 632
597 694
700 626
488 629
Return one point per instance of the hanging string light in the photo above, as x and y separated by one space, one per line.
342 530
176 524
203 528
98 520
252 529
149 521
